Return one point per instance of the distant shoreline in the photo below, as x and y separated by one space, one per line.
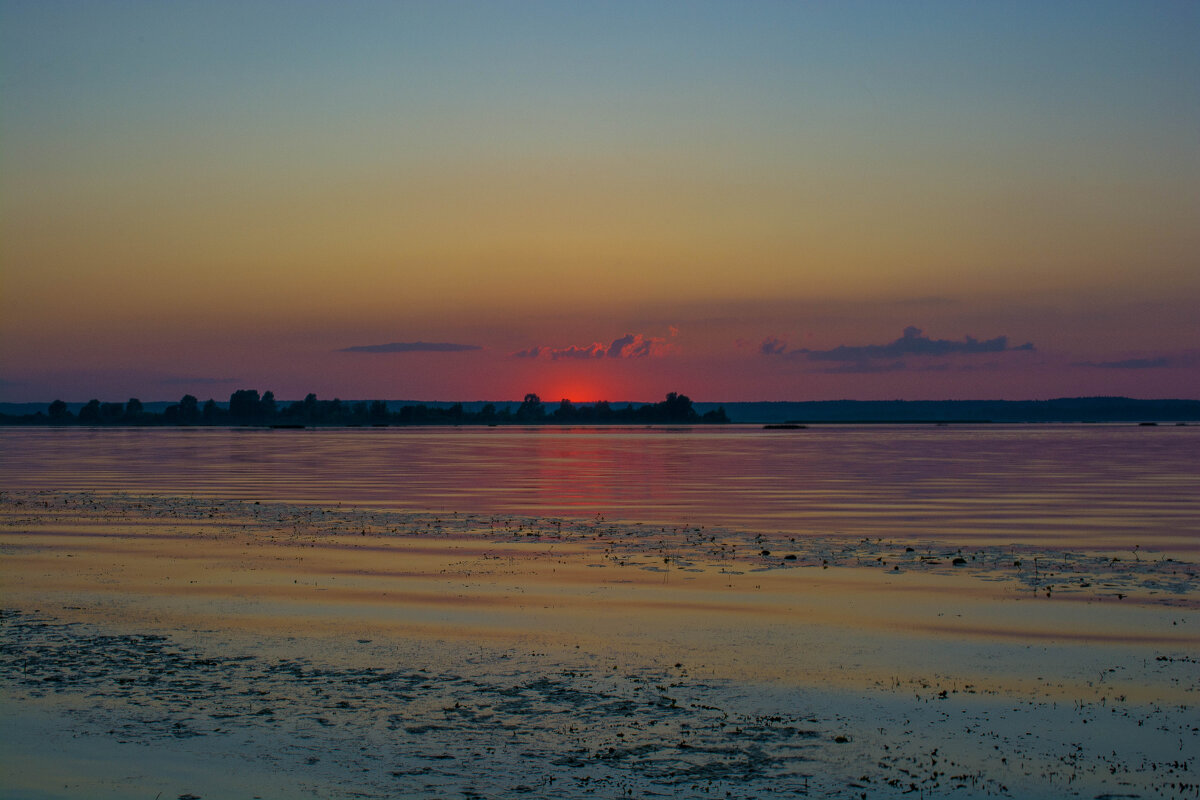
246 408
817 412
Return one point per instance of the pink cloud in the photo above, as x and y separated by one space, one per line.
631 345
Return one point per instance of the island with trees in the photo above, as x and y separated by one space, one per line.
246 407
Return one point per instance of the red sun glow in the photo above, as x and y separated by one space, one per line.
576 391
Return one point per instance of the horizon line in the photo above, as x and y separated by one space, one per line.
623 401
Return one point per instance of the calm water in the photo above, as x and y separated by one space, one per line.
1107 487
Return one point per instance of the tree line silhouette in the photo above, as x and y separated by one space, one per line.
248 407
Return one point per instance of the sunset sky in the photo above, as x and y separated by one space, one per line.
737 201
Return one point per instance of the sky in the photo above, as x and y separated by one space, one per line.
465 201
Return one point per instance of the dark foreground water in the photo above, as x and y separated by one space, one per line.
1072 486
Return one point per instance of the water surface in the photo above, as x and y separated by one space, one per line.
1081 486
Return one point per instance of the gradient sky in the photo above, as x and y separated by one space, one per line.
758 201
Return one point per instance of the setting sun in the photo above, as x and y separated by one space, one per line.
577 391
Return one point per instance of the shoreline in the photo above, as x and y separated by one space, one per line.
1097 575
577 657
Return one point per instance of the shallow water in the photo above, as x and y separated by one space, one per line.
1098 487
152 645
832 612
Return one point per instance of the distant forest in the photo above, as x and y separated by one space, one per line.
247 407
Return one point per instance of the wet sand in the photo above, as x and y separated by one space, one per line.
216 648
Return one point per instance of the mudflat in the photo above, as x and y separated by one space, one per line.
166 646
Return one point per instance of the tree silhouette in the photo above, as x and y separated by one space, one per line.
189 409
531 409
90 413
245 405
676 409
565 411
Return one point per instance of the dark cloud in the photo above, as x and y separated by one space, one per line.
631 345
411 347
773 346
913 342
634 346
